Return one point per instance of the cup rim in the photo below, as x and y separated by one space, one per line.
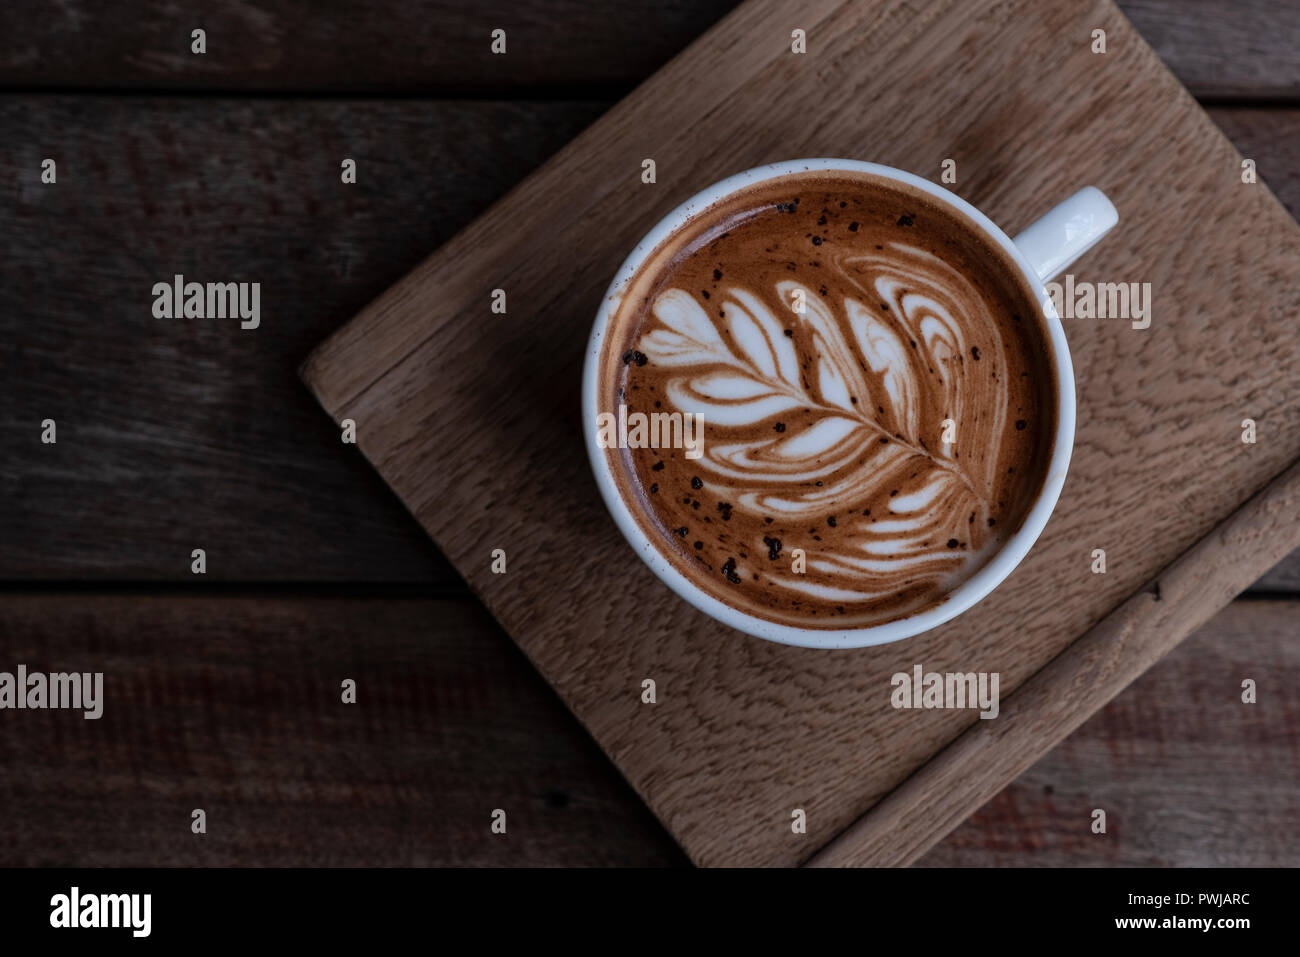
965 595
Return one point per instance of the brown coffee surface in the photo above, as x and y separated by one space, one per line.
877 395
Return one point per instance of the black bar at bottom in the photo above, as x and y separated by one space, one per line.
619 908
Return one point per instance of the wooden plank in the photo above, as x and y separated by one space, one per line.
753 730
183 434
1225 48
233 705
1174 759
1188 775
1077 682
1216 47
441 48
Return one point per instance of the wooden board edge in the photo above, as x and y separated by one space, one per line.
1078 682
307 374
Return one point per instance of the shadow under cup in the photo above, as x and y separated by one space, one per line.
820 404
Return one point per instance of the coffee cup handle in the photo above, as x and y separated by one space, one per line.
1066 232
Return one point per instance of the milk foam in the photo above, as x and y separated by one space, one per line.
828 425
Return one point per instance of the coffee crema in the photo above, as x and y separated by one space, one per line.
878 395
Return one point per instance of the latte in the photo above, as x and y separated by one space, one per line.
876 388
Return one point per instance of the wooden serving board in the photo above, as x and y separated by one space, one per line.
472 417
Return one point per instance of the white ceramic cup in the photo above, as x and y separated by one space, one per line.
1042 251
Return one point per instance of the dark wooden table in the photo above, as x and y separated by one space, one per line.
223 689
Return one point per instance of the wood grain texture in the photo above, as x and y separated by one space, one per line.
182 434
1225 48
1216 47
233 705
1080 680
1188 775
77 324
441 48
482 447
